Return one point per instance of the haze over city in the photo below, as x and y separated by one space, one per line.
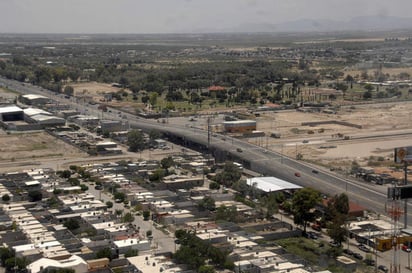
186 16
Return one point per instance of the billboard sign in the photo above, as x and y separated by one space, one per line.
403 154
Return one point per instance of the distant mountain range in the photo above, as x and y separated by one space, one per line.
365 23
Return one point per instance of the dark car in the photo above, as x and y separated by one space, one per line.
357 256
98 187
311 235
369 262
315 171
383 268
334 244
239 150
347 251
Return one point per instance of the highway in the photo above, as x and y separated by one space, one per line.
269 163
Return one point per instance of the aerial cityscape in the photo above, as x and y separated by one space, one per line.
260 145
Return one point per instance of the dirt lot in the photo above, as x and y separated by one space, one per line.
33 147
384 127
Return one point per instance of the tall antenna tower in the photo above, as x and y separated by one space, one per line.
395 211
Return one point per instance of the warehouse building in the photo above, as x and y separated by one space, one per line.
240 126
34 99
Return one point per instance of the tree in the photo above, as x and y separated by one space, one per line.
135 140
131 253
83 187
303 201
128 218
154 134
153 98
226 213
12 262
35 196
68 90
5 253
109 204
230 174
368 87
105 253
367 95
64 174
206 269
167 162
207 203
5 197
214 186
337 213
71 224
119 196
146 215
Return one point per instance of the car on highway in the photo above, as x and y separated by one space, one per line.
383 268
315 171
297 174
239 150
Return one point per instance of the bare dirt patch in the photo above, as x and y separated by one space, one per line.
384 127
34 146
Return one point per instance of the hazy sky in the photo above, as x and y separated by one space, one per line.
165 16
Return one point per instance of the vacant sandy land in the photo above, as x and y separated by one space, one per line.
93 89
381 120
34 146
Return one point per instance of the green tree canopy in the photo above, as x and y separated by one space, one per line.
5 197
135 140
128 218
207 203
303 201
167 162
229 175
71 224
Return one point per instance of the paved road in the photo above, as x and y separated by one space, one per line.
262 161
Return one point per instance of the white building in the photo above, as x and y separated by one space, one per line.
74 262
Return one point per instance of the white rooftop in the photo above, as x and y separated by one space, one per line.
10 109
271 184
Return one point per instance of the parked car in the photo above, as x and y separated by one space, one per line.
406 248
383 268
311 235
316 227
364 248
357 256
370 262
334 244
347 251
